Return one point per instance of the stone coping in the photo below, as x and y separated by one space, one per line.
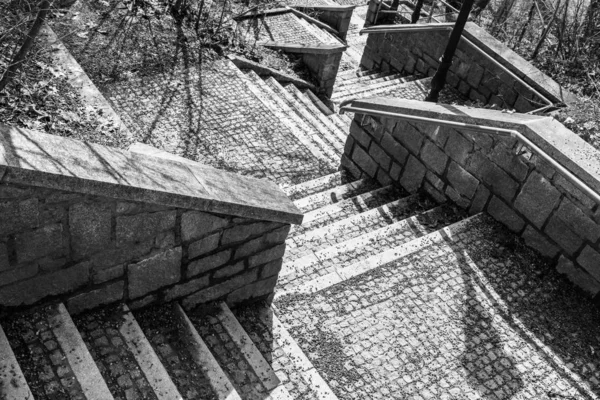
242 62
313 21
565 147
302 48
54 162
498 51
325 8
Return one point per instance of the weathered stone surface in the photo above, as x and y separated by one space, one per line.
165 240
578 221
100 275
434 158
413 175
458 148
537 199
561 234
539 242
589 259
39 243
578 276
135 228
395 149
18 273
186 288
380 156
122 255
160 270
266 256
90 227
360 135
409 136
461 180
17 216
252 291
97 297
240 233
59 282
208 263
204 246
479 201
4 263
505 215
195 224
229 270
215 292
271 268
364 161
278 235
500 182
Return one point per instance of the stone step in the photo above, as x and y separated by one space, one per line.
167 331
305 114
352 206
360 90
245 366
359 224
348 252
337 119
291 365
318 185
408 87
126 359
305 133
361 81
447 234
335 195
13 384
53 356
333 128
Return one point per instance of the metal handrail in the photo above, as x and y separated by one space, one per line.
503 132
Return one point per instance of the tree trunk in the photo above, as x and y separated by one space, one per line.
545 33
19 59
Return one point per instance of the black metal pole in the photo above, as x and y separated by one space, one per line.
439 79
417 12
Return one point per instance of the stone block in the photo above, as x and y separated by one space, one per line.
229 270
349 145
456 197
104 295
464 88
383 178
573 192
435 181
17 216
461 180
216 292
395 172
413 174
19 273
136 228
203 246
539 242
266 256
395 149
209 263
364 162
509 162
45 241
505 215
408 136
112 257
89 227
29 291
101 275
537 199
482 195
160 270
437 134
165 240
187 288
270 269
578 221
196 224
589 259
253 291
558 231
475 75
380 156
498 181
436 194
239 233
579 277
279 235
350 167
434 158
359 134
543 167
4 262
523 105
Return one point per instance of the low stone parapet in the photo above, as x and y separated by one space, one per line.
90 225
484 172
483 68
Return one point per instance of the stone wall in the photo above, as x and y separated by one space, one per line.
129 231
474 73
483 172
337 17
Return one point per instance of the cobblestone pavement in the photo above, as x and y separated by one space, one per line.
479 318
229 356
164 333
209 116
41 359
123 376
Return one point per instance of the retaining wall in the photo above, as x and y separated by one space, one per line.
91 225
483 69
482 172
